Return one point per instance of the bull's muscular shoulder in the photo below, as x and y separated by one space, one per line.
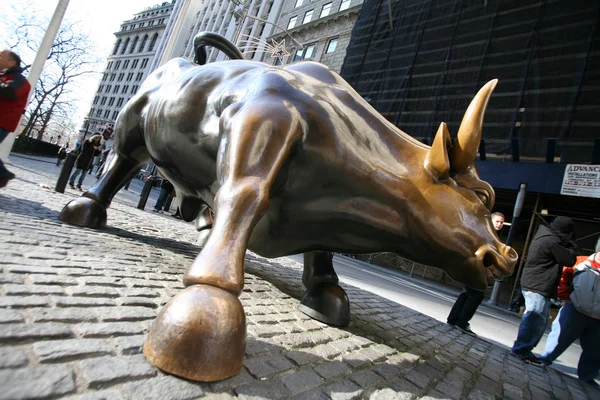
316 71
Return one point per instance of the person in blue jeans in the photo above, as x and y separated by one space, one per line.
551 248
571 324
166 188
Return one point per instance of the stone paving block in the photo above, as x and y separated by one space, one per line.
61 280
477 394
332 369
108 329
449 390
110 370
20 301
272 389
11 278
389 394
164 387
83 302
366 378
137 283
110 394
31 269
92 291
104 281
24 332
301 358
12 357
16 384
137 301
63 350
343 390
264 366
125 313
130 344
137 292
326 351
9 316
302 381
61 315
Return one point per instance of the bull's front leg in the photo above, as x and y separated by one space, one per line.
323 300
201 333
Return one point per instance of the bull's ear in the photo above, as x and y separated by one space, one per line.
437 162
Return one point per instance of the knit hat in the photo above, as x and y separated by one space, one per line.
563 225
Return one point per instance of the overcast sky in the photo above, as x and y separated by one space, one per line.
100 18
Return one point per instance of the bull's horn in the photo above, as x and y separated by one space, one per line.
437 162
462 154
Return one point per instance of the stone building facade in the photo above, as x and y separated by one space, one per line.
322 28
128 64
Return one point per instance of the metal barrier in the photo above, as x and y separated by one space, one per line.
146 192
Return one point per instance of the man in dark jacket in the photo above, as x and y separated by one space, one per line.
84 160
14 91
551 248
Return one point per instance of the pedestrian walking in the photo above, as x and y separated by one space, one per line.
551 248
578 318
14 91
84 160
166 188
470 298
62 154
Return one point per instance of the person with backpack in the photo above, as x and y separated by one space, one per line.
579 318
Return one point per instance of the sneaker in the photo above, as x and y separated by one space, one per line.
528 358
79 188
4 180
466 329
71 186
155 210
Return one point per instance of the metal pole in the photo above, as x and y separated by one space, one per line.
526 248
36 68
65 172
145 193
513 227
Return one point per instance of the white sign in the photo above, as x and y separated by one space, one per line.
581 180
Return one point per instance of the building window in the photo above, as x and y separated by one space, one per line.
95 100
120 102
118 64
106 113
98 113
112 77
133 45
120 78
332 46
153 42
111 102
116 89
143 44
292 22
325 10
305 54
135 63
139 76
345 5
125 46
144 62
134 89
299 3
125 89
115 115
103 102
126 64
117 47
308 16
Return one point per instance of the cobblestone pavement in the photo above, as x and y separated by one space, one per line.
76 304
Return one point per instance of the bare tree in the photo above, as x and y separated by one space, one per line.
71 58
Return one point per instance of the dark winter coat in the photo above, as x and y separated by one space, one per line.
14 90
548 253
85 157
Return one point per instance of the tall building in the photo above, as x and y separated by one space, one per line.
247 23
128 63
321 30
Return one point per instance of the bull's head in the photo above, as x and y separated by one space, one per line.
458 221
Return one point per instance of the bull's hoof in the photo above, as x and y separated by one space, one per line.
327 302
199 335
84 211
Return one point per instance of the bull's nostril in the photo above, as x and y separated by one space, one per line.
512 254
488 260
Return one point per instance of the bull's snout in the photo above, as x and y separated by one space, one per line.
501 259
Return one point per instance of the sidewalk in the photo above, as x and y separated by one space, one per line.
76 304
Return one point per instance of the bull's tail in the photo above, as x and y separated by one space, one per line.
203 39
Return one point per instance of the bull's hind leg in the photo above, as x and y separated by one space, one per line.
129 154
201 333
323 300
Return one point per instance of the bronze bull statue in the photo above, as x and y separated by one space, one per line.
290 160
